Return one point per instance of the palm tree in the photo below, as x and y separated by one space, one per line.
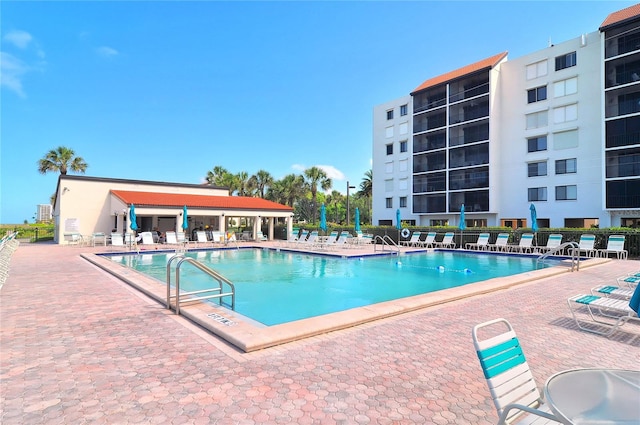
260 181
316 176
216 176
62 159
242 183
366 185
288 190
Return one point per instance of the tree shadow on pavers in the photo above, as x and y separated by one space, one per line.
629 333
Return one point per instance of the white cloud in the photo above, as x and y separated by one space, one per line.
11 71
107 51
332 172
18 38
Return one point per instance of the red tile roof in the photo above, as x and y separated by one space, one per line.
156 199
621 15
485 63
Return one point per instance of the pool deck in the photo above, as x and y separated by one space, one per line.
78 344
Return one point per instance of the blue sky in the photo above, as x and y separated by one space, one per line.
165 91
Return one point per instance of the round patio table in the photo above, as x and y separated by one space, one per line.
595 396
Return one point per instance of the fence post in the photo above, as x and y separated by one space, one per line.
36 235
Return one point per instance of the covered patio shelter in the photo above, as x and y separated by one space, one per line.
88 206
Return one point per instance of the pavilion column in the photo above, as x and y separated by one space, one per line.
271 221
289 226
256 227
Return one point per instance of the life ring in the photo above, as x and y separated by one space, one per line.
405 233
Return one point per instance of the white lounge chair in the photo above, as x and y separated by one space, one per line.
170 238
525 244
260 236
615 245
586 245
201 238
618 311
501 243
612 291
429 241
446 242
481 244
117 240
413 241
554 241
304 234
147 238
510 381
310 242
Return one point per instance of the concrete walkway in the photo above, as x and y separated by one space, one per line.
79 346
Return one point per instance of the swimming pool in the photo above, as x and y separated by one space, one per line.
274 287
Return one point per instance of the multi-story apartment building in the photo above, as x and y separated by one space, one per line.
43 213
557 128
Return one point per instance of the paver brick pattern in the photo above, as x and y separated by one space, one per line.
79 346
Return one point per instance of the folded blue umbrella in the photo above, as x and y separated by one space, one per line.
634 303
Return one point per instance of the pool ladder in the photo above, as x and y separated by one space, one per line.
385 241
196 295
573 250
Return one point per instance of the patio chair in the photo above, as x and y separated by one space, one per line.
615 245
311 240
170 238
629 281
510 381
147 238
117 240
501 243
618 311
182 238
429 241
480 244
446 242
554 241
586 245
612 291
260 236
525 244
413 241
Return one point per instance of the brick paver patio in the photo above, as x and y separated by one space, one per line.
80 346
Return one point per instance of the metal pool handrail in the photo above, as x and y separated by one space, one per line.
214 274
572 249
384 241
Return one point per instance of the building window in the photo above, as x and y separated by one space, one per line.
390 114
565 87
538 69
388 167
537 119
536 169
403 184
388 185
403 146
537 94
537 194
388 132
403 110
537 144
403 202
566 193
565 113
566 166
388 202
390 149
566 61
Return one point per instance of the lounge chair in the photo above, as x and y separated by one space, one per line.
429 241
525 244
260 236
612 291
182 238
340 242
586 245
480 244
510 381
147 238
618 311
201 238
446 242
117 240
170 238
615 245
554 241
501 243
413 241
304 234
310 242
629 281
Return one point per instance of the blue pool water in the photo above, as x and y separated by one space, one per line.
274 287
